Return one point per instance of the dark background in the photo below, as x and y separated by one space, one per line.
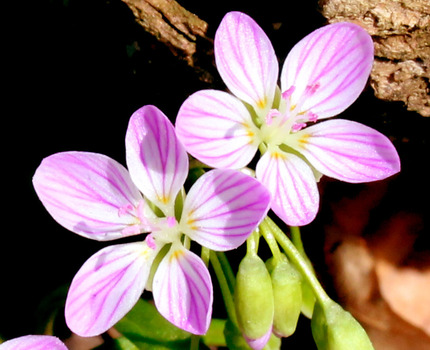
78 70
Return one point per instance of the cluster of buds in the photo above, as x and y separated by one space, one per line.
268 299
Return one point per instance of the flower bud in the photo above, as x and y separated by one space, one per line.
333 328
254 298
287 295
235 339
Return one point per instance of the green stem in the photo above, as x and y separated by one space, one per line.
271 241
297 238
205 255
195 340
298 260
228 272
225 289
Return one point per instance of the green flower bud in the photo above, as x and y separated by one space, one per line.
253 297
287 295
308 298
333 328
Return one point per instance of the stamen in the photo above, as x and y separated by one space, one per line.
312 117
150 241
287 93
271 114
298 126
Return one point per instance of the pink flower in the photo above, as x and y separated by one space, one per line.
322 75
96 197
34 342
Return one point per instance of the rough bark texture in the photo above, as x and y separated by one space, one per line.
401 33
179 29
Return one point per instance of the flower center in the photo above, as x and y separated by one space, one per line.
164 229
289 117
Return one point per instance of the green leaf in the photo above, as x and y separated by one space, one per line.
48 309
122 343
215 334
147 329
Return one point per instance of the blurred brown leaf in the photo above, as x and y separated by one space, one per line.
377 272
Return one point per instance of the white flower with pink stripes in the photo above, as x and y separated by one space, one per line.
322 75
96 197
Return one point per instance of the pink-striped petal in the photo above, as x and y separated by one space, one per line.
329 68
216 128
34 342
222 209
182 290
107 286
295 197
84 192
246 61
348 151
157 161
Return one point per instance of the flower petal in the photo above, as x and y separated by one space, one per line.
157 161
291 182
348 151
107 286
329 68
260 343
216 128
84 192
34 342
222 209
246 61
182 290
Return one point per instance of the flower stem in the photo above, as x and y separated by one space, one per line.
228 272
271 241
205 255
195 340
297 259
297 238
225 289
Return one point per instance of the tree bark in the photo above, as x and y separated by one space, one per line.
401 33
180 30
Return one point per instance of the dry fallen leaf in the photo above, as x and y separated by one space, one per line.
376 271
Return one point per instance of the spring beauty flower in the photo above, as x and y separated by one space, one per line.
34 342
322 75
96 197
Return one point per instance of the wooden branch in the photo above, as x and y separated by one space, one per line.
180 30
